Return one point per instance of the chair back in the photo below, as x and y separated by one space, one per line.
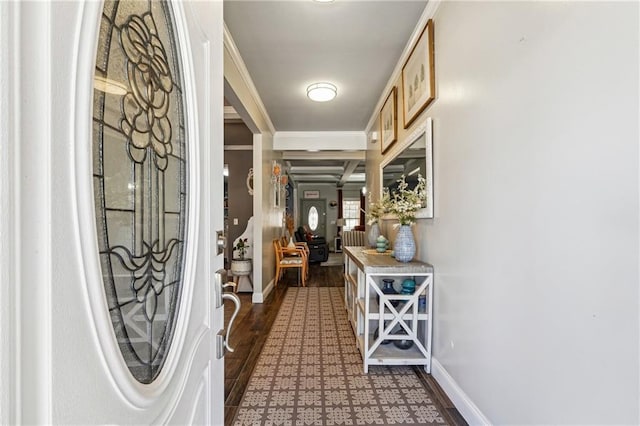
277 248
353 238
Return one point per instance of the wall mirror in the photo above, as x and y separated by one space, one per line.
415 158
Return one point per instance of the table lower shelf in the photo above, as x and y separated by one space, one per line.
374 311
390 354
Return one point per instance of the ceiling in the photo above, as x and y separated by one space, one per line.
337 168
354 44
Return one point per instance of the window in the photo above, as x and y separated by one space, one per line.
351 214
140 178
313 218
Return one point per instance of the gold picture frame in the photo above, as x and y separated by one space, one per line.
389 120
418 77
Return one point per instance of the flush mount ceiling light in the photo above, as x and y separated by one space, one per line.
322 92
324 1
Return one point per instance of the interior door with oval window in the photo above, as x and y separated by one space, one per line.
314 215
138 191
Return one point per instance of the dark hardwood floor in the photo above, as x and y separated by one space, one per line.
251 329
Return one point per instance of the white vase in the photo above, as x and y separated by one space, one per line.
404 247
374 233
291 243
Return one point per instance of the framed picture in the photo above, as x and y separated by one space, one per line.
389 120
418 77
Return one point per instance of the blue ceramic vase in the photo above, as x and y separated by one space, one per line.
387 288
405 246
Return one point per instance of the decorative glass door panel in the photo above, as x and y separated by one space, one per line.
313 218
140 178
314 215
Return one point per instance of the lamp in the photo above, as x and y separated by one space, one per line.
340 222
322 92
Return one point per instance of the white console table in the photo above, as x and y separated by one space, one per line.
398 317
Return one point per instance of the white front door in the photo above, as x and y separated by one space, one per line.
112 316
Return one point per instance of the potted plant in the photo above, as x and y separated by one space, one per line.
240 265
404 204
377 209
241 247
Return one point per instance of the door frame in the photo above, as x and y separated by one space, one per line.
25 225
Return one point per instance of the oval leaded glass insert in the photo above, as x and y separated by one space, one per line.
140 166
313 218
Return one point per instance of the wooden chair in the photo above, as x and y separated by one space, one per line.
284 242
290 258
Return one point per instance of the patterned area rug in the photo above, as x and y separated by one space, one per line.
310 373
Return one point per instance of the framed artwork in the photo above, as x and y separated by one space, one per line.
418 77
389 120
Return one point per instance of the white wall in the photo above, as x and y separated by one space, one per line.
535 235
242 94
268 218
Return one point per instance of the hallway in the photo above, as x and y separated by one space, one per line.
254 323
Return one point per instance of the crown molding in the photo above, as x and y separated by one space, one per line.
234 54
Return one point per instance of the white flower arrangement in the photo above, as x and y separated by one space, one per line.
406 202
379 208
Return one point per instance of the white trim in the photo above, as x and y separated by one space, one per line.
351 140
460 399
33 210
429 11
260 297
324 155
258 218
234 53
230 113
8 222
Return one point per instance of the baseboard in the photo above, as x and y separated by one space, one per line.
458 397
260 297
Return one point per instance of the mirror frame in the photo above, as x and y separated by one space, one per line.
425 128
